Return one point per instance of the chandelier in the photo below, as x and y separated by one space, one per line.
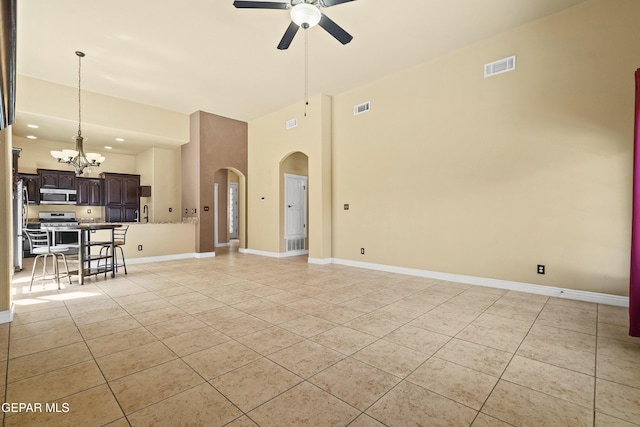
78 158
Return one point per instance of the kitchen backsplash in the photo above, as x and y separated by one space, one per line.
89 213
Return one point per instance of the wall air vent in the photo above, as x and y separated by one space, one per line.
361 108
291 123
500 66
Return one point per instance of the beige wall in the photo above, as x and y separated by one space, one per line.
6 219
269 144
161 169
494 176
43 98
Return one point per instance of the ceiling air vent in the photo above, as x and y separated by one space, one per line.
500 66
291 123
361 108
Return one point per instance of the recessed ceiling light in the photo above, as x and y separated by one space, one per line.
120 139
33 126
32 137
106 147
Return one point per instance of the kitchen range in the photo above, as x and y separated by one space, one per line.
59 221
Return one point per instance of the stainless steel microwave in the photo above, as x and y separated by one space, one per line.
57 196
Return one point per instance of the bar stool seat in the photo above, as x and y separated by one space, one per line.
40 245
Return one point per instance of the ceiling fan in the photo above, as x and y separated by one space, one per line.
305 14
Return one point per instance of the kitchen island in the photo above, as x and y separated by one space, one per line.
95 255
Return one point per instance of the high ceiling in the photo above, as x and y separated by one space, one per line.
207 55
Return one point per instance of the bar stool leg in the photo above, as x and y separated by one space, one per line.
44 269
56 269
124 263
33 271
66 267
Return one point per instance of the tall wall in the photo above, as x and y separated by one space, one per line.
216 143
453 172
270 144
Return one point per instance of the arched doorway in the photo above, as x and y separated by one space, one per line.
229 227
294 201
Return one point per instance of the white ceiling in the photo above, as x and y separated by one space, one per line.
207 55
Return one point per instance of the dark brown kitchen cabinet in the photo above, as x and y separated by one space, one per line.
89 191
57 179
31 182
121 198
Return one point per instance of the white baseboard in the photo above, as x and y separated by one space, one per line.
172 257
551 291
205 255
222 245
274 254
261 253
294 253
6 316
320 261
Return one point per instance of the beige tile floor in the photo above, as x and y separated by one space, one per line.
241 340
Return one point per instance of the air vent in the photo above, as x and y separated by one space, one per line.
362 108
500 66
295 244
291 123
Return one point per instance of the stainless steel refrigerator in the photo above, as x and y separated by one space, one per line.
20 216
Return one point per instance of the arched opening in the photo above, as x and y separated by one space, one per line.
294 204
229 210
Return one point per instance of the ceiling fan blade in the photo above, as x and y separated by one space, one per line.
260 5
335 30
329 3
288 36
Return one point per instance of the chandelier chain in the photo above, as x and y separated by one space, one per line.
79 92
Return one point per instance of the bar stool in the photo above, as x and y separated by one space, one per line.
40 245
119 240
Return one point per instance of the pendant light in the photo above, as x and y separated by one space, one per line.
77 158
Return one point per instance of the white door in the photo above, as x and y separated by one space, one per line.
233 210
295 206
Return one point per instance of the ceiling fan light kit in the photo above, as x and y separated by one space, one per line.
304 14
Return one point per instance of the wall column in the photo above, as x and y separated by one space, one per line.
6 226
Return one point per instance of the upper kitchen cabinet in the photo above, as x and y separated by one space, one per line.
57 179
31 182
89 191
121 198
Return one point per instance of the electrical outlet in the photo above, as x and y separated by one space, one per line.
346 206
139 247
362 251
170 209
540 269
